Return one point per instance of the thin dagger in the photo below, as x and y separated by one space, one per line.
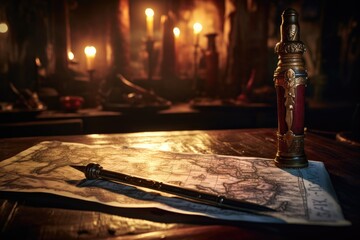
95 171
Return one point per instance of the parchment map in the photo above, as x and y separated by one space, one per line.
300 196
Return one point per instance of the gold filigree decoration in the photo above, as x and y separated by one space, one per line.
289 137
290 47
290 92
290 83
291 144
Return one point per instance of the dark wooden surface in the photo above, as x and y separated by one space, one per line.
44 216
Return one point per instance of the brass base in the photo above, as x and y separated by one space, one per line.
291 152
291 162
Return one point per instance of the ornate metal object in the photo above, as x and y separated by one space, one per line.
290 78
94 171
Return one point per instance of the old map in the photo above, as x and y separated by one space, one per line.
300 196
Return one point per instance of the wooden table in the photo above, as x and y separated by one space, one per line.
42 216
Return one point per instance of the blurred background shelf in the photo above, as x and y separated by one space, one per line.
326 118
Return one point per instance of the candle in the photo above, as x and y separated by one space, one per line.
3 27
90 53
149 23
71 56
197 29
176 32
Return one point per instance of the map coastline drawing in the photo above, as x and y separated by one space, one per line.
300 196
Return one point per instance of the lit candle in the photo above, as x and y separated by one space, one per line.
197 29
3 27
176 32
71 56
149 22
90 53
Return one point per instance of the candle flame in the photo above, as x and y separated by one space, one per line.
149 12
90 51
149 22
176 32
3 27
71 55
38 62
197 28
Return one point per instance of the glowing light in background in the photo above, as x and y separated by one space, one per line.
3 28
71 55
90 52
149 12
149 22
197 28
176 32
38 62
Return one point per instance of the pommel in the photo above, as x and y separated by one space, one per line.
290 34
289 29
92 171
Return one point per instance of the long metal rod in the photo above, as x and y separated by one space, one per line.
95 171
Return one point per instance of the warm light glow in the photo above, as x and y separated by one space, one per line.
176 32
90 53
38 62
149 12
3 28
197 28
71 56
158 146
149 22
98 139
96 136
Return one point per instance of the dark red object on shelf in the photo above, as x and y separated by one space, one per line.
71 103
